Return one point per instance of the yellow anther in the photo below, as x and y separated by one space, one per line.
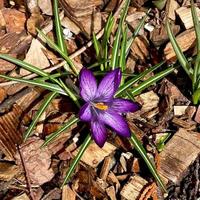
101 106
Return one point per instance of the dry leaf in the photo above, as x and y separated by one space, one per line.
37 161
35 56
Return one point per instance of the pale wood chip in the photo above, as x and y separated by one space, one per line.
68 193
186 16
133 188
94 154
178 154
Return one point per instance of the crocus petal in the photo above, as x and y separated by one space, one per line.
108 86
98 132
124 106
85 113
116 122
88 85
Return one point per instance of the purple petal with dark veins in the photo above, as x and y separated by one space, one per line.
124 106
116 122
98 132
85 113
88 85
108 86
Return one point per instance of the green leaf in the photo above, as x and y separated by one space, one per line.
77 158
130 83
106 36
140 149
59 32
115 51
161 143
135 33
160 4
122 59
196 73
57 49
37 116
70 93
54 135
24 65
196 96
182 59
137 90
97 46
48 86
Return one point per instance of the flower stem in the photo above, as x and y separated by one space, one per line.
77 158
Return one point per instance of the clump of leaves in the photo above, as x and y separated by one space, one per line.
192 70
106 62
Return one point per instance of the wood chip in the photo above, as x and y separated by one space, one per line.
68 23
180 110
133 188
36 57
45 6
68 193
94 154
6 66
15 20
2 94
171 7
23 196
185 40
139 48
79 8
8 171
148 100
178 154
9 133
111 192
186 16
197 116
107 164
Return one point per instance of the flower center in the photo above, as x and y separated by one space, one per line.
101 106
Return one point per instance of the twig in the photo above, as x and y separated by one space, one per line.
72 56
26 172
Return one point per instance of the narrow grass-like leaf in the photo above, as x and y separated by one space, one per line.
181 57
48 86
106 36
115 51
24 65
130 83
59 32
122 59
53 76
37 116
196 96
70 93
97 45
76 160
137 90
196 73
56 48
140 149
54 135
135 33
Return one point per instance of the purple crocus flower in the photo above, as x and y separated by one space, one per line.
101 108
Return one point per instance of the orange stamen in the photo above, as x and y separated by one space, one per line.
101 106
